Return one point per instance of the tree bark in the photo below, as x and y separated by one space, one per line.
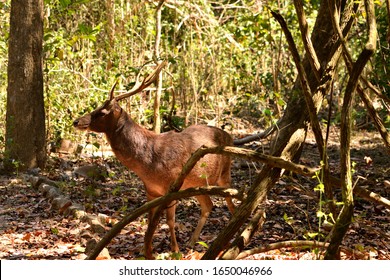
158 202
294 124
157 97
175 194
25 119
345 218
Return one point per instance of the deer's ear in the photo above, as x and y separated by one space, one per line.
105 111
108 106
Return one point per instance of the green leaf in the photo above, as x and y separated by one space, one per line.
320 214
320 187
204 244
65 3
312 234
267 112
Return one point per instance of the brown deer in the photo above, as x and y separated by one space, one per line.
157 159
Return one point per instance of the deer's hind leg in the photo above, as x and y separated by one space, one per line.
206 206
224 181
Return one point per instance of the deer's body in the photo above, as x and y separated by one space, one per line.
158 158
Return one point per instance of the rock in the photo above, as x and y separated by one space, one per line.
93 172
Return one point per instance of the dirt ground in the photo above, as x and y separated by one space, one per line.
31 229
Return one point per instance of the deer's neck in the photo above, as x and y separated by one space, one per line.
131 143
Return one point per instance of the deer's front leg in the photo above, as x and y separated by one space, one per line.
171 210
152 225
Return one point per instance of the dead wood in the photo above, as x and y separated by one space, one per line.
255 137
164 200
295 121
65 206
282 244
345 217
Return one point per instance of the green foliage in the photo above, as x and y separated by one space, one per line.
218 59
380 77
4 34
321 215
224 58
54 231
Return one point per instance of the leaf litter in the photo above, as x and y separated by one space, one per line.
31 229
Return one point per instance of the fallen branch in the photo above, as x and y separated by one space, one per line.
65 206
163 200
256 156
280 245
243 240
231 151
298 244
371 196
175 195
255 137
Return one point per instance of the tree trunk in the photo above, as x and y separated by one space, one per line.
345 218
157 97
293 126
25 119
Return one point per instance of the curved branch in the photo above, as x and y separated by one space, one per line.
304 82
294 244
345 217
163 200
255 137
256 156
174 194
282 244
311 53
233 151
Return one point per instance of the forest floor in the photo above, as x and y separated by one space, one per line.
31 229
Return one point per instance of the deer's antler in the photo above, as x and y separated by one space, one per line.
140 86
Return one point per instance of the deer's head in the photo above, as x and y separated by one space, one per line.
102 117
106 116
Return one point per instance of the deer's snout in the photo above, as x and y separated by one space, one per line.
82 123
